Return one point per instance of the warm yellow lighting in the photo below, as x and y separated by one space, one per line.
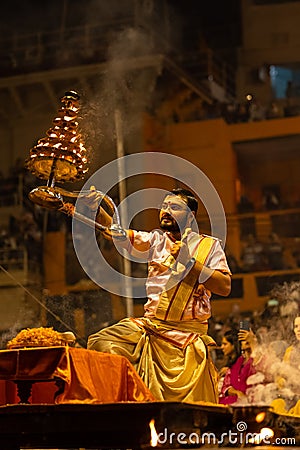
154 436
260 417
265 433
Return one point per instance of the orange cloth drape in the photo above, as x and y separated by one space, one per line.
89 376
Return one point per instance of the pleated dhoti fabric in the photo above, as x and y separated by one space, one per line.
171 372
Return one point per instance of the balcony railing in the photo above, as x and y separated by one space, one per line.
251 291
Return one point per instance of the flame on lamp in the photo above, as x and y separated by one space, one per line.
61 154
154 435
265 433
260 417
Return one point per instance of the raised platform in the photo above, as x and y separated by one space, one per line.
126 425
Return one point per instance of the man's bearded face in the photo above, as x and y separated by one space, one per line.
173 214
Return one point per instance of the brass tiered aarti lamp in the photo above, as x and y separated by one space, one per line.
61 157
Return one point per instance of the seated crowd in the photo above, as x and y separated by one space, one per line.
261 365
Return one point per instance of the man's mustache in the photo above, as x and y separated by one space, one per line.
166 216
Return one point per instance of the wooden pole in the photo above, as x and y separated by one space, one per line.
123 211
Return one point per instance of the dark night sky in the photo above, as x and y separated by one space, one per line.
213 17
217 18
191 22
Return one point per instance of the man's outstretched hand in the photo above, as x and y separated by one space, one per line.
92 199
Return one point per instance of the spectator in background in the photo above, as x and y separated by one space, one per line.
239 367
272 321
229 112
30 236
270 199
288 378
256 111
289 93
242 113
292 353
253 255
274 251
245 205
288 311
266 357
274 111
296 256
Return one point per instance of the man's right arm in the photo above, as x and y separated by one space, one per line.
92 201
140 241
103 217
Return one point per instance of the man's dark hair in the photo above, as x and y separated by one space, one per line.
188 196
232 337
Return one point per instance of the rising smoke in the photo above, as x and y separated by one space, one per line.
132 47
277 377
123 87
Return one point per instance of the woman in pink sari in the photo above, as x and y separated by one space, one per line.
239 368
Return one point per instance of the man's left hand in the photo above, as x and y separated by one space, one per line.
180 252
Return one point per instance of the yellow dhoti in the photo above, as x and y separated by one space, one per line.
172 373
